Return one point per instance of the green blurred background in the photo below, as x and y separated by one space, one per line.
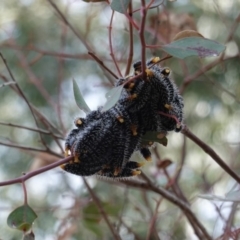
33 39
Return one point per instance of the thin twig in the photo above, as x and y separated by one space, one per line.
136 237
41 117
77 33
102 211
25 192
23 96
130 54
230 220
111 46
142 38
202 71
102 64
210 152
152 223
29 148
36 172
30 129
170 197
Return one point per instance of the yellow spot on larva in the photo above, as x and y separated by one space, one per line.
133 96
136 172
131 85
169 107
76 159
78 121
149 159
66 152
155 60
179 125
117 171
137 72
149 72
120 119
166 71
62 166
134 130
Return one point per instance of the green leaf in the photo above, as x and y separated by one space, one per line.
111 209
155 3
112 97
152 136
120 6
22 218
91 213
79 99
193 46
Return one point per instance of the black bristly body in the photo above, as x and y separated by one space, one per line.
102 145
103 142
154 97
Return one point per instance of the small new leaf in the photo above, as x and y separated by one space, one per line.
79 98
120 6
112 97
193 46
21 218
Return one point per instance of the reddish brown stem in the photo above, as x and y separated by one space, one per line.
111 46
36 172
210 152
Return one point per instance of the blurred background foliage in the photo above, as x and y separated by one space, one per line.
45 55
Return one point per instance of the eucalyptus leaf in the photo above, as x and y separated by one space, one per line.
113 96
120 6
79 98
21 218
193 46
156 3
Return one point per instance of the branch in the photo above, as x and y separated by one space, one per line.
36 172
171 198
111 47
79 35
29 148
142 38
130 54
102 64
101 210
210 152
23 96
30 129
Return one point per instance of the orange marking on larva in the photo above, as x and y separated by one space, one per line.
136 172
155 60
